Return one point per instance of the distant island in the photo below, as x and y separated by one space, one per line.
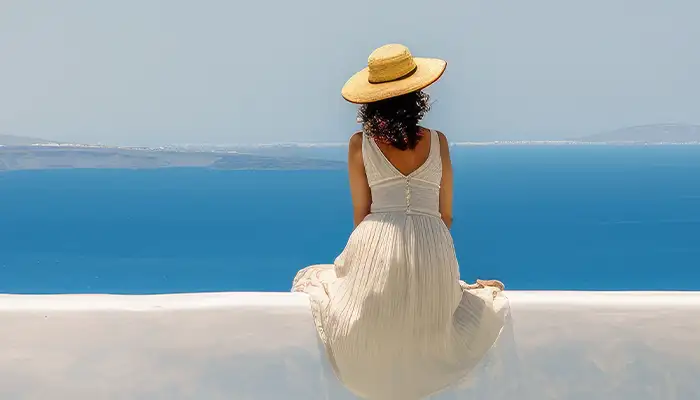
11 140
653 134
656 134
17 153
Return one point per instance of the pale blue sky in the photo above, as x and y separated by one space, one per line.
152 72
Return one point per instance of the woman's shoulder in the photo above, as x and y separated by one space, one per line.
356 138
355 144
355 148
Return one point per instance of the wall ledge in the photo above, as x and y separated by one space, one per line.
560 345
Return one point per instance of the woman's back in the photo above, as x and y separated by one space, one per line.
414 190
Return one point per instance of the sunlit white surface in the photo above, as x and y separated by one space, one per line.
561 345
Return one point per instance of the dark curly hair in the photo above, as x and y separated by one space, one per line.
395 120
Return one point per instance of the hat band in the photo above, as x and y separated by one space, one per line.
404 76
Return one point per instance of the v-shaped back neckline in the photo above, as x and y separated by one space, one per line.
419 168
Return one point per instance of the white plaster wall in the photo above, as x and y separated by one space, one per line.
561 345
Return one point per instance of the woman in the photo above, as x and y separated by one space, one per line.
396 320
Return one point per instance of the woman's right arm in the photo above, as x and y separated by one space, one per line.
446 183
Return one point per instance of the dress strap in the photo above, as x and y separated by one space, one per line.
371 157
434 144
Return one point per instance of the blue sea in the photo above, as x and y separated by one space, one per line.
579 217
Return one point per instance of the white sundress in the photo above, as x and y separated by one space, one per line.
396 320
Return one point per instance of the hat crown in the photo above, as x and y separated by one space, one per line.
389 63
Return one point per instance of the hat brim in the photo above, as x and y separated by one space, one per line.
359 90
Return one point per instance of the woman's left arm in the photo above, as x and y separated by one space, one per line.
359 188
446 183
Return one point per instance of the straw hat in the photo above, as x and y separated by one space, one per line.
392 71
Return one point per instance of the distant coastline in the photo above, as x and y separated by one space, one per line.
18 153
65 156
650 135
571 143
